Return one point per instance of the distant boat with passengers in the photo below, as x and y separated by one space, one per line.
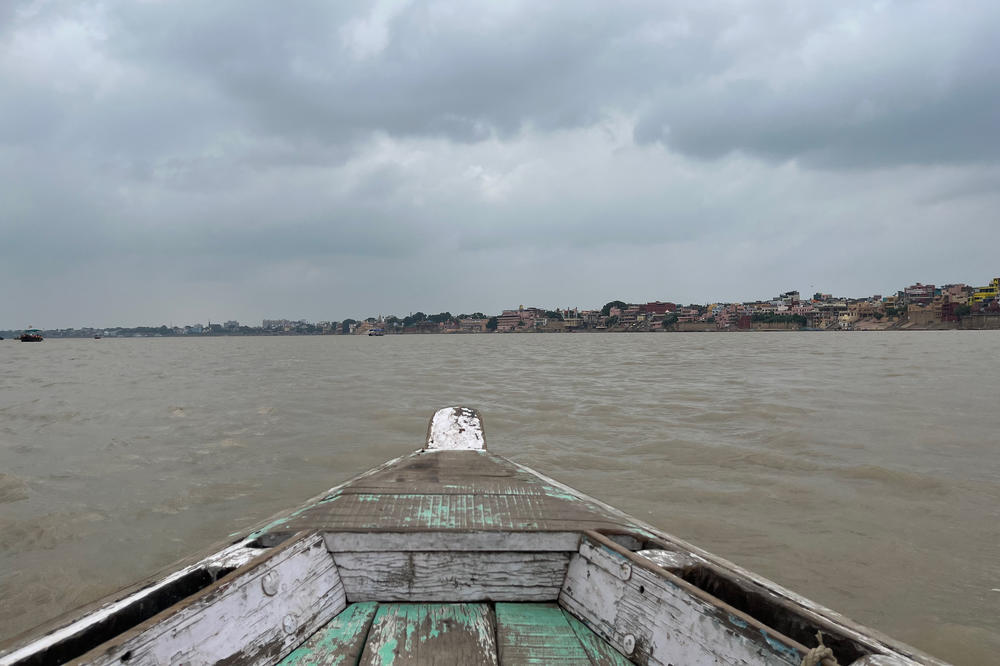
31 335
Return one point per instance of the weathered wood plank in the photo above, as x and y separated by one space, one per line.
600 653
466 513
254 617
456 429
536 634
78 636
656 620
450 472
431 634
340 542
339 643
443 576
668 559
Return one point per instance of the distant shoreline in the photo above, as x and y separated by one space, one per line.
53 335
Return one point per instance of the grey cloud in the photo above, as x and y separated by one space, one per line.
243 140
920 87
922 91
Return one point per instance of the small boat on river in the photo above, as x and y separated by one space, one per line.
453 554
30 335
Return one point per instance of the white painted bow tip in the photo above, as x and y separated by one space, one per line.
456 429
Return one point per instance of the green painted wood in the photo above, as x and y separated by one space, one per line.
600 653
339 643
537 634
431 634
450 490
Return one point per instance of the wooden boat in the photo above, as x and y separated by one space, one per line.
455 555
31 335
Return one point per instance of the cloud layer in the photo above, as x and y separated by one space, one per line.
185 160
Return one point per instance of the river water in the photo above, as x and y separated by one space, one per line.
861 470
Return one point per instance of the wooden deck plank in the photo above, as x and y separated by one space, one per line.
600 653
459 472
528 542
445 512
339 643
537 634
450 490
431 634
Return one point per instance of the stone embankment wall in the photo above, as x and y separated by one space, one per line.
980 322
775 326
685 326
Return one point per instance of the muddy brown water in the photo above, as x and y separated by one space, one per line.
861 470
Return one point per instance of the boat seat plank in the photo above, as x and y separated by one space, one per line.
452 576
537 634
431 634
339 643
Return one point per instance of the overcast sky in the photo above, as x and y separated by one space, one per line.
175 162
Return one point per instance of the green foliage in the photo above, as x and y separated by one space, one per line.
491 324
606 310
440 318
554 314
963 310
612 321
414 318
345 326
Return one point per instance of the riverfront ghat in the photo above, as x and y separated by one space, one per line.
915 308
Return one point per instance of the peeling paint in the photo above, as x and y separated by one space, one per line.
780 647
742 624
332 645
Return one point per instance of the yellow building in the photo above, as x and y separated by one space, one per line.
987 293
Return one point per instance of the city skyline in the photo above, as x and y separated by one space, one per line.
924 293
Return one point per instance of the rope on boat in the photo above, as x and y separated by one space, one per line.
820 655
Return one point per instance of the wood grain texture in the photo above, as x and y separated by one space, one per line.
450 490
77 635
254 617
663 620
600 653
537 634
431 634
443 576
341 542
339 643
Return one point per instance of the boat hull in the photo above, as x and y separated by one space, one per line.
455 532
